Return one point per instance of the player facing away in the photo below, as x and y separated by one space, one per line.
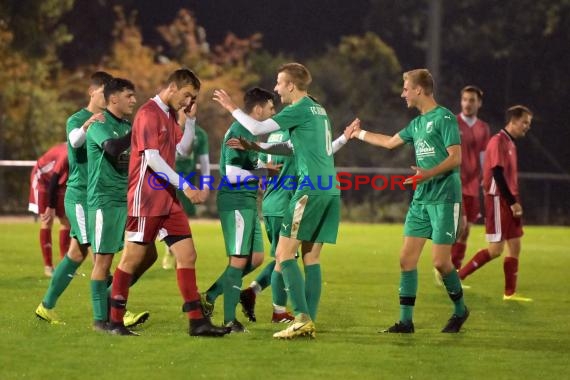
434 210
76 202
237 205
279 190
313 214
47 191
475 134
503 210
153 209
200 152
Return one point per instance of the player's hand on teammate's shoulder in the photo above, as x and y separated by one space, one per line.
242 143
95 117
235 143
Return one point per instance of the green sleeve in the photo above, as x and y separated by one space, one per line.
202 146
291 116
99 133
406 134
450 131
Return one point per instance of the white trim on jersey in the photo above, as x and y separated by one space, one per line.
496 237
138 188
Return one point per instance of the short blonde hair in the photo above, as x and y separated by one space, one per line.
299 75
422 78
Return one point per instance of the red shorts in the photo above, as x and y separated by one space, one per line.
39 201
145 229
471 208
500 224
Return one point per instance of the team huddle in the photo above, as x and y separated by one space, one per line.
109 167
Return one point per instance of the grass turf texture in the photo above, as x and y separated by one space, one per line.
361 273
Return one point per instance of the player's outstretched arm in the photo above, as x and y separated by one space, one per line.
378 139
255 127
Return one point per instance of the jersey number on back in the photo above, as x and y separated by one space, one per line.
328 138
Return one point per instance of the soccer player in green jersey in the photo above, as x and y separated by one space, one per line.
435 208
186 165
237 206
108 150
313 214
278 193
75 195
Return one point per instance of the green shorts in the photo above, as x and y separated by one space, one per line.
107 229
313 218
273 227
438 222
76 214
242 232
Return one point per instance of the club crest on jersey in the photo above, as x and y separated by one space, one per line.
429 126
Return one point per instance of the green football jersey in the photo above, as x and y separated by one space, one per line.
107 176
431 134
311 135
200 146
279 189
242 195
77 182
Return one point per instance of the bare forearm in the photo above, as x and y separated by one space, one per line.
450 163
379 139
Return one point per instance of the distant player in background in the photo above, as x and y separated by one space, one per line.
47 192
503 210
434 211
200 154
475 134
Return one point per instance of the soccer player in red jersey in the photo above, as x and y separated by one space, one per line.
47 190
475 134
153 209
503 211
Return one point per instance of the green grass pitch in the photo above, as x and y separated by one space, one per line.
360 296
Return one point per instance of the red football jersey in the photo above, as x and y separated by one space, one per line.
153 128
52 161
474 139
501 151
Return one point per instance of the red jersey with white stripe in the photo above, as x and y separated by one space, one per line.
474 139
153 128
53 161
501 151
